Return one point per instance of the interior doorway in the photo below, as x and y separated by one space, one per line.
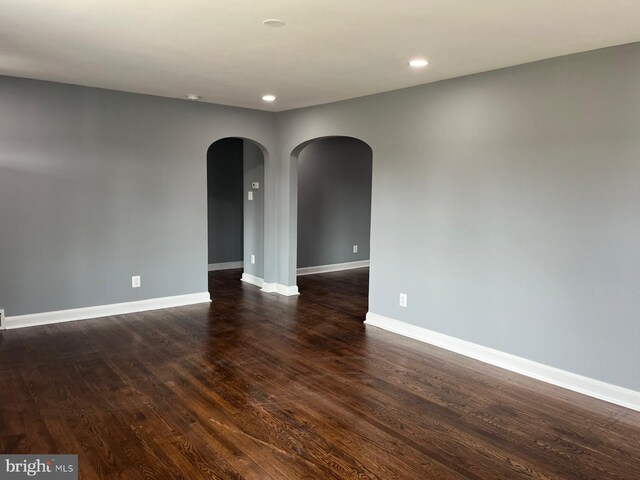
235 208
334 209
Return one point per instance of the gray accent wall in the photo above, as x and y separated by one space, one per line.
98 185
225 205
505 205
254 209
334 201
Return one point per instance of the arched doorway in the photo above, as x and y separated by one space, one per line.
235 208
333 205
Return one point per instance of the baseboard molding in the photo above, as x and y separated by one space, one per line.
288 291
335 267
225 266
47 318
561 378
270 287
253 280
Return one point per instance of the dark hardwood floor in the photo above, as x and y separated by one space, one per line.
262 386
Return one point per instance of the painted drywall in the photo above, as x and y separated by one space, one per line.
334 201
97 186
253 209
505 205
225 205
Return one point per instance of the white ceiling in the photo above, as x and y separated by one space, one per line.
330 50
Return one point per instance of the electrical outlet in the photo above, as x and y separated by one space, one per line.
250 196
253 259
2 326
355 249
403 300
135 281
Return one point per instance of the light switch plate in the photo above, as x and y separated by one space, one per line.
250 196
255 185
135 281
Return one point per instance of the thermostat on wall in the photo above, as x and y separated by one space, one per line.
255 185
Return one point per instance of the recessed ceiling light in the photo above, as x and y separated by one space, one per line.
193 97
418 62
269 98
273 22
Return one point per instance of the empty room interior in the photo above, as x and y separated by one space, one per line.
320 240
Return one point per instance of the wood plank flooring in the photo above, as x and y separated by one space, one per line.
262 386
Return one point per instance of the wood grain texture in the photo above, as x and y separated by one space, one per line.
261 386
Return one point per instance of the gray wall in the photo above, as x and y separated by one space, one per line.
334 201
225 206
505 205
253 210
97 186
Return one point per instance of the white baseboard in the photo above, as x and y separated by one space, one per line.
253 280
225 266
336 267
285 290
571 381
270 287
46 318
2 318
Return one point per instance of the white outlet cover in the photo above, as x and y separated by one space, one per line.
250 196
135 281
255 185
403 300
355 249
253 259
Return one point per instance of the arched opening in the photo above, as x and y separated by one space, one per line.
235 211
333 221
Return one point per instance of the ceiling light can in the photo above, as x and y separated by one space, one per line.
273 22
418 62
